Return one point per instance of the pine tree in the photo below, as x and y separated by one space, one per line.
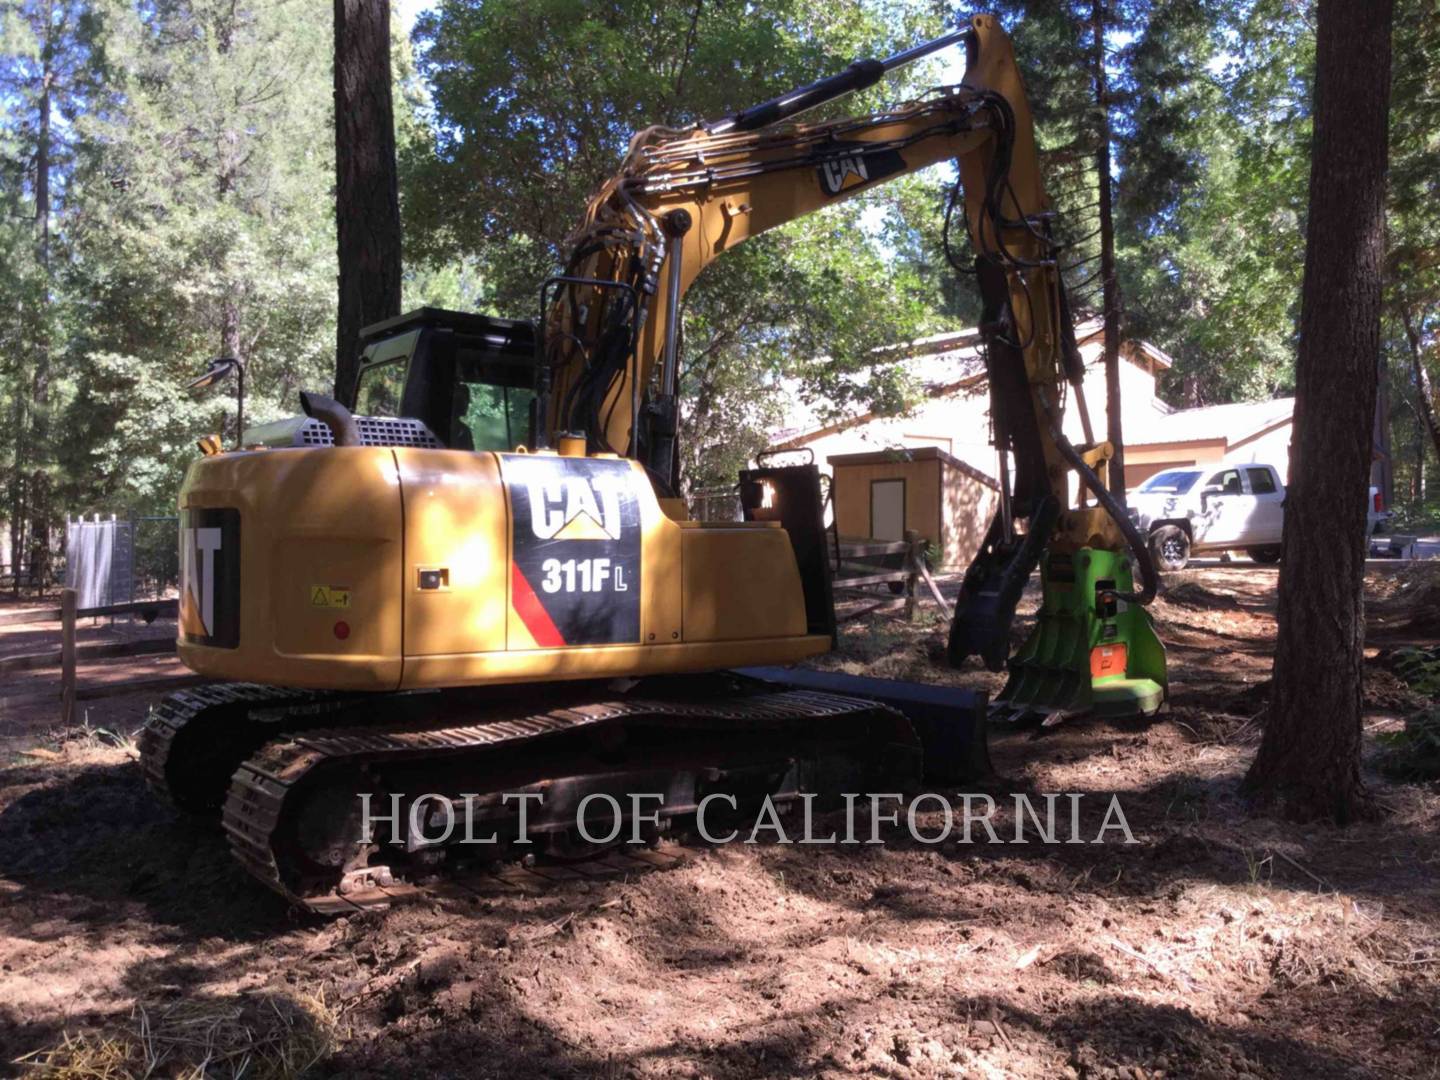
208 230
367 195
1309 757
48 75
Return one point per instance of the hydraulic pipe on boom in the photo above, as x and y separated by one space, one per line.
861 75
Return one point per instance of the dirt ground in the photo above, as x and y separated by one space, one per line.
1219 944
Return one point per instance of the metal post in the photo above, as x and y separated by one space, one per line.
67 656
239 404
677 225
665 414
912 558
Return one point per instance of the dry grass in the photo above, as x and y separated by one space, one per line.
265 1038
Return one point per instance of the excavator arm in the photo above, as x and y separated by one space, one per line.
683 197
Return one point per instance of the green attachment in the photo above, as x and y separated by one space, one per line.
1089 651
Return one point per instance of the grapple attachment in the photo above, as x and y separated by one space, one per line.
1090 650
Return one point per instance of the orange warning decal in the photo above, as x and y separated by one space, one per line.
1107 660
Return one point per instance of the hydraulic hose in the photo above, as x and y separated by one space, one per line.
1150 581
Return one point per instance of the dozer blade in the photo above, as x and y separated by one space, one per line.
1089 651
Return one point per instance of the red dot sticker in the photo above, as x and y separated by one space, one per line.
342 629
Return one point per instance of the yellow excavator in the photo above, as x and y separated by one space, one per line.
475 583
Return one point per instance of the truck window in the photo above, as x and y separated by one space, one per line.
1228 481
1173 481
381 386
1262 482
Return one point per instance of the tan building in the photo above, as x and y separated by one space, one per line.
885 493
953 421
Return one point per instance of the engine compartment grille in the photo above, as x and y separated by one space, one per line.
374 431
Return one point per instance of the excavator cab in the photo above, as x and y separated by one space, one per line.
443 380
470 379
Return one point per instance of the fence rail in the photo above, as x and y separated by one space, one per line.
151 608
900 565
70 652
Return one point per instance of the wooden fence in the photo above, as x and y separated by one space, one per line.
70 652
898 565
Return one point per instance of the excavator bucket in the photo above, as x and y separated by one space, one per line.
1090 651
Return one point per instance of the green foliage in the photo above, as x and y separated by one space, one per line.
206 230
535 106
1419 669
191 210
1414 753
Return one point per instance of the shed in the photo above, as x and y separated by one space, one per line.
884 493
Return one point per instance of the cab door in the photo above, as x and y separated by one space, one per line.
1225 509
1268 517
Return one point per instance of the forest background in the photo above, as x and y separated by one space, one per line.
167 186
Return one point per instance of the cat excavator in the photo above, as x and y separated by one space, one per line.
472 590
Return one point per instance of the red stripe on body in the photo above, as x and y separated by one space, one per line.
532 613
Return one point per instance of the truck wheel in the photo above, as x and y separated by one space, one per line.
1265 556
1170 547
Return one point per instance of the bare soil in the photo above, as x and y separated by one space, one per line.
1219 944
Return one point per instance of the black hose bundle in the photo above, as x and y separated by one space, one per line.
1150 581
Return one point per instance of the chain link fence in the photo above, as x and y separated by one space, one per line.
118 561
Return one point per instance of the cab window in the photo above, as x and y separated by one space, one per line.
1227 481
491 403
1261 481
380 389
1176 481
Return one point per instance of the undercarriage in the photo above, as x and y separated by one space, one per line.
339 801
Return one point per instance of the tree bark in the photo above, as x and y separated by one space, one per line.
1383 470
1419 485
1422 378
39 439
1110 285
367 200
1309 757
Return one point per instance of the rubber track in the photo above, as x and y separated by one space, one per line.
255 804
186 707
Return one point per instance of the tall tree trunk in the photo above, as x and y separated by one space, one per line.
1422 377
230 345
1309 757
367 200
18 427
1383 470
1114 430
39 439
17 498
1419 488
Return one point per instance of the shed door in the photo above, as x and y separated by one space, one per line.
887 509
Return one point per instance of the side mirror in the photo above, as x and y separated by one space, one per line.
1212 489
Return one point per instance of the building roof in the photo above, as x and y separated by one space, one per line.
1160 356
1232 423
950 363
894 454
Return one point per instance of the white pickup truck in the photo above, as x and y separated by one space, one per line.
1212 508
